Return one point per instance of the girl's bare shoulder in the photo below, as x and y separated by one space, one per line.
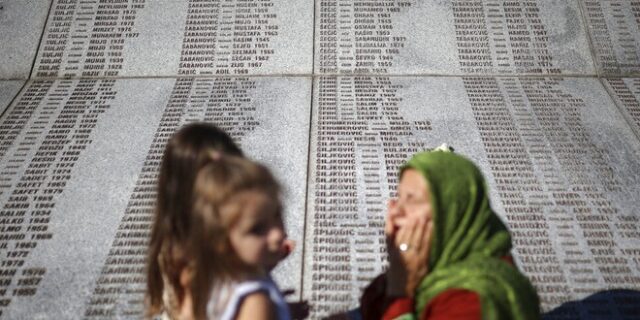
256 306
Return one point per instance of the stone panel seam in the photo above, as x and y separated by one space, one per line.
44 29
320 75
587 30
306 193
24 86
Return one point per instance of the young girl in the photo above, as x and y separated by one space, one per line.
216 233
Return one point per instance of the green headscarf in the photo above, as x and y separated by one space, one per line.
468 241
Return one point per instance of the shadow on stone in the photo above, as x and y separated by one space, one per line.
610 305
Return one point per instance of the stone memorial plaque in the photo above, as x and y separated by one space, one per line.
626 92
8 90
613 27
21 24
79 178
451 37
81 141
166 37
561 162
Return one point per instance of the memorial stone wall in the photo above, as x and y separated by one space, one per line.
333 96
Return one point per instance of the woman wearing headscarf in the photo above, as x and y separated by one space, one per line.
448 251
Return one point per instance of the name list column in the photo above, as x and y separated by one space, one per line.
38 166
557 189
614 30
627 91
358 37
86 38
361 139
501 37
228 37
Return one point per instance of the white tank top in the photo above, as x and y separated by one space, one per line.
225 301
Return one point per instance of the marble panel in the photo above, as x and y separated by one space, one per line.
78 181
626 93
167 37
21 26
8 90
561 162
613 28
452 37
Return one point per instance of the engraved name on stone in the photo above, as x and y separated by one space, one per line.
87 38
501 37
42 141
626 92
613 26
560 194
8 91
460 36
567 200
226 38
361 139
358 37
96 38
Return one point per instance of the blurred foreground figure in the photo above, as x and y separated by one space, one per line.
217 232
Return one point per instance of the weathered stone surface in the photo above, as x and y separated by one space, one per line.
82 170
613 28
561 162
626 93
451 37
8 90
78 157
21 24
167 37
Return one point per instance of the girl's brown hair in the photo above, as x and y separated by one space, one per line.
217 189
186 152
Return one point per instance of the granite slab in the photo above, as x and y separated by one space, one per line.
626 93
168 38
8 90
451 37
613 28
561 162
77 192
21 25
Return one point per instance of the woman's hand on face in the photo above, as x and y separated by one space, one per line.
408 247
394 218
396 275
417 237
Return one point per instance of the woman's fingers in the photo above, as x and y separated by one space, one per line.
392 208
412 242
417 261
418 233
403 235
424 237
422 253
392 203
427 239
389 230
